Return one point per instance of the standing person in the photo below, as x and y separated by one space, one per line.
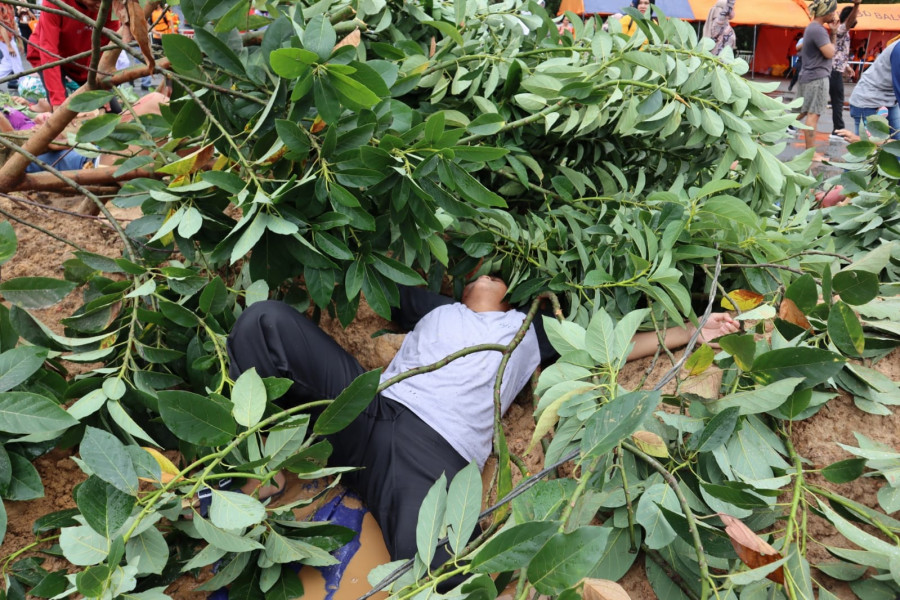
10 56
429 424
797 61
718 26
57 36
841 57
26 20
818 55
878 86
629 26
164 21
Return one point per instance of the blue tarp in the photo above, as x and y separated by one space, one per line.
679 9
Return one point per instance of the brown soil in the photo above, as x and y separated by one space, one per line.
39 255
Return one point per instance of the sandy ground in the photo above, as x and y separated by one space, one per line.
40 255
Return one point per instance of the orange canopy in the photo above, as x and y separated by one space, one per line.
782 13
876 17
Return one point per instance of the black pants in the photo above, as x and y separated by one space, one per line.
836 91
400 456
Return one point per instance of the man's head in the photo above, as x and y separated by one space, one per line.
641 5
486 294
845 14
823 10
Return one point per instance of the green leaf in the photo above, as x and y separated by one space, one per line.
26 412
222 539
97 129
741 347
845 471
718 430
726 211
479 244
8 241
25 482
148 551
566 559
91 582
486 124
249 398
284 443
293 138
3 521
842 570
396 271
88 101
463 506
757 574
352 93
287 587
804 293
17 365
234 510
472 190
35 292
83 546
513 548
430 524
618 556
845 330
447 29
218 52
107 458
104 507
183 52
349 404
813 364
319 36
616 420
196 419
657 531
758 400
854 287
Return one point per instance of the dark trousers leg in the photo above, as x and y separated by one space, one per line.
836 91
281 342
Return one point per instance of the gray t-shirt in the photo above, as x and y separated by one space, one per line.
815 65
457 400
876 86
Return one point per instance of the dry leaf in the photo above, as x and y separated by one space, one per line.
746 300
650 443
603 589
790 313
137 24
318 125
351 39
433 48
752 549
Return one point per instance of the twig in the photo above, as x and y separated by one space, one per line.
96 42
688 515
693 341
50 207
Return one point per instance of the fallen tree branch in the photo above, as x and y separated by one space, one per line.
101 176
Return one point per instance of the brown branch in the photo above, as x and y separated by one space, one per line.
97 42
101 176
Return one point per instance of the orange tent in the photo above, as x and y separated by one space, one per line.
877 17
782 13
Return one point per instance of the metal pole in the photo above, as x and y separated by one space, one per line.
753 58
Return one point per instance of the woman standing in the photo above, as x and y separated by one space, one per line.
718 26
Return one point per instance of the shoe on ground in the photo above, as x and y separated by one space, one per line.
835 136
792 129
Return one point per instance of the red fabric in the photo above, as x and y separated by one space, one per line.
64 37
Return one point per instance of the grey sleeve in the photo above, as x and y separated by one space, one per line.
820 37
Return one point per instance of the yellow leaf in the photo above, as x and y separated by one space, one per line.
650 443
700 360
167 468
189 164
221 162
549 416
169 238
603 589
746 300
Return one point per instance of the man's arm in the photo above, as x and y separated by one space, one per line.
827 50
415 303
895 71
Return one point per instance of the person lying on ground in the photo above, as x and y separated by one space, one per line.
61 156
426 425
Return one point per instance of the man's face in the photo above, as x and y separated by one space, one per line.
486 287
91 5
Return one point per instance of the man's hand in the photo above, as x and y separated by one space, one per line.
718 325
